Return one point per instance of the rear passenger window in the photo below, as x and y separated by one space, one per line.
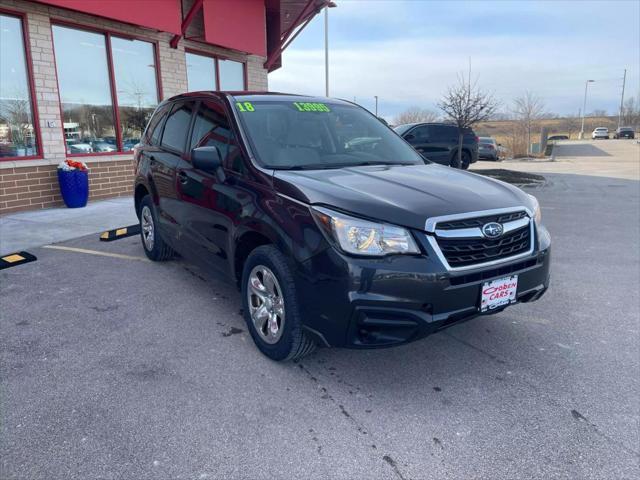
176 127
154 129
443 132
211 128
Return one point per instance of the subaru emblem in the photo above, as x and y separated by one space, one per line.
492 230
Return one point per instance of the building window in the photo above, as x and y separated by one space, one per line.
231 75
210 73
201 73
17 132
90 67
134 66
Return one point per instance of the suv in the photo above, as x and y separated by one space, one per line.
438 142
624 132
600 132
334 229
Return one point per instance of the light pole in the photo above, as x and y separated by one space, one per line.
326 47
376 97
584 106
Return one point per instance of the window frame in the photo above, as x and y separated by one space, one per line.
107 34
216 57
22 17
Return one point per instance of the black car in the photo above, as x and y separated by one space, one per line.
439 142
624 132
334 229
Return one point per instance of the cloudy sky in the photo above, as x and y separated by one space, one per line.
408 52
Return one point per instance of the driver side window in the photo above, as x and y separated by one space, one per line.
211 128
420 134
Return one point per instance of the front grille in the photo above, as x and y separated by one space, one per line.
480 221
462 252
492 273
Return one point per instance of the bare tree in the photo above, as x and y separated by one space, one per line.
415 115
466 104
569 124
631 113
528 109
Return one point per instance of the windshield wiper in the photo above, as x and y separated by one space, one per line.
329 166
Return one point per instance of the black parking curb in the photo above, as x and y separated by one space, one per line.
15 259
119 233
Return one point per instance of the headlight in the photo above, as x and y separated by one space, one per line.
361 237
537 214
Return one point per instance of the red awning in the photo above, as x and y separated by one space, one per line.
236 25
163 15
285 20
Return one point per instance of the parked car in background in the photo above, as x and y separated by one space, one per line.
103 147
554 138
488 149
624 132
438 142
76 146
600 132
334 229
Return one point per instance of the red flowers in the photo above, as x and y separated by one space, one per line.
69 165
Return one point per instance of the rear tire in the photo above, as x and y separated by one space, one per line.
154 246
270 306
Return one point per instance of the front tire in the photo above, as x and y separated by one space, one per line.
154 246
271 308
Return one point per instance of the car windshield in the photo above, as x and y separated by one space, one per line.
490 141
314 135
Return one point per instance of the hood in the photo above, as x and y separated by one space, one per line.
402 195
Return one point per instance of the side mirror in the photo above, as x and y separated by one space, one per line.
499 144
206 158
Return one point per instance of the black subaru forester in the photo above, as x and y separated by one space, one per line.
336 231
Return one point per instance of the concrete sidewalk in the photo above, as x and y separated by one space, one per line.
20 231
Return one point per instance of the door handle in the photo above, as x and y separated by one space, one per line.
182 176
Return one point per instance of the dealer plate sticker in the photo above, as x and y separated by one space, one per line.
498 293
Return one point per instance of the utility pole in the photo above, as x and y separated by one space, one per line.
624 80
326 50
584 107
376 97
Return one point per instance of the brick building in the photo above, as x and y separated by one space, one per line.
80 78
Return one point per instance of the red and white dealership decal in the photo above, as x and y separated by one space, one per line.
498 293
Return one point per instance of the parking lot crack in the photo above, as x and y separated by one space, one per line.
574 413
359 426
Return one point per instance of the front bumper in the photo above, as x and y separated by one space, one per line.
372 303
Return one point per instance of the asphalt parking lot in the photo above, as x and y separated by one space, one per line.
116 367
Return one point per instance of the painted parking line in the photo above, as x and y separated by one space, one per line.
15 259
118 233
96 252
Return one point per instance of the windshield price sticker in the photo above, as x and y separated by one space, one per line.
245 106
311 107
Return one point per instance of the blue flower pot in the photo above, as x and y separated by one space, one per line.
74 187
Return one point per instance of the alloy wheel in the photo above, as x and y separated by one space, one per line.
148 230
266 304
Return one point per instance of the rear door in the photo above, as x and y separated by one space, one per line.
164 160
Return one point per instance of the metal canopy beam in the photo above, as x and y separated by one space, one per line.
195 8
